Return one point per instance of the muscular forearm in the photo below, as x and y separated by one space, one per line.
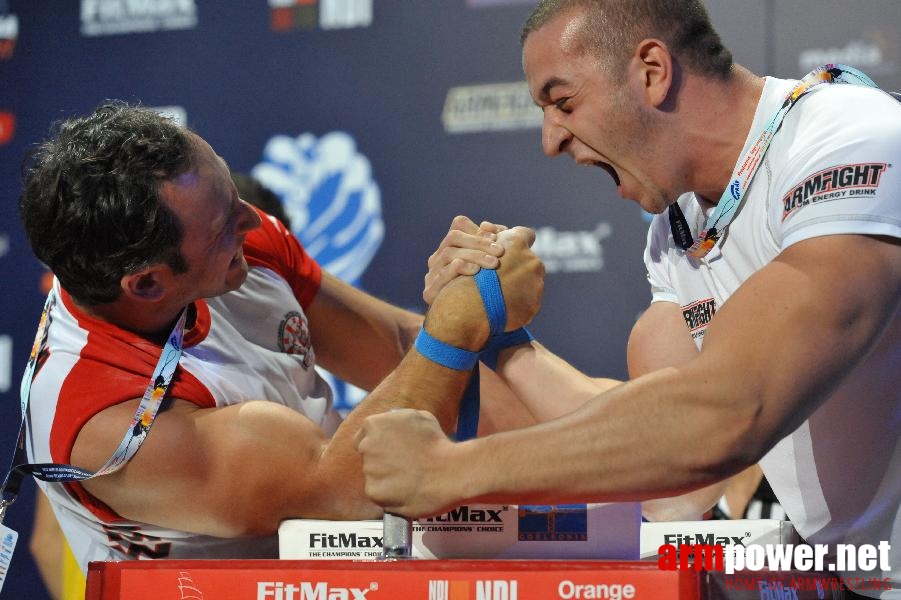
630 443
357 337
546 384
417 383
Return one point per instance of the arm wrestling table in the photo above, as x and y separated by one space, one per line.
434 580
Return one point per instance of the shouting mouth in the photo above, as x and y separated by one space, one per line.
610 170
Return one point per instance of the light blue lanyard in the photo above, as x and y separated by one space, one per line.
747 166
134 436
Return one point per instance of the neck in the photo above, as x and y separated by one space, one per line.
151 320
721 123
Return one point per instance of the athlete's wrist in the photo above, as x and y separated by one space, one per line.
457 316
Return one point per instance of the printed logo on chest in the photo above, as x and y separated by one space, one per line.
294 337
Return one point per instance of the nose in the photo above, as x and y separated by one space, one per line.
554 138
249 219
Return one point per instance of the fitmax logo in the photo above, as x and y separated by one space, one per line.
464 514
344 540
306 590
678 539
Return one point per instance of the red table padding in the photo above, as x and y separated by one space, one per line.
372 580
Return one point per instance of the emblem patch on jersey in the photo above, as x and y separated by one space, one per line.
697 315
294 337
834 183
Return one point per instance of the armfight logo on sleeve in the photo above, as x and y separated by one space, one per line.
834 183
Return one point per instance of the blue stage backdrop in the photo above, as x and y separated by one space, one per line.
376 121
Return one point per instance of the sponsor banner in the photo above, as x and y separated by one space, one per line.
9 33
736 531
479 531
286 15
490 107
373 580
117 17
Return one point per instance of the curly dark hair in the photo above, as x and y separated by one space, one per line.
90 204
614 27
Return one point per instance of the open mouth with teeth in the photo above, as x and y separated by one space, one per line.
609 170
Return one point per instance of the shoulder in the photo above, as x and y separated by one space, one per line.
843 113
274 247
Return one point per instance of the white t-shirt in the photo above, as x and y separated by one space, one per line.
250 344
834 167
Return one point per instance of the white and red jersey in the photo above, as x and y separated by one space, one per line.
249 344
834 167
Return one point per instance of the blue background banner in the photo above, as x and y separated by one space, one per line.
377 122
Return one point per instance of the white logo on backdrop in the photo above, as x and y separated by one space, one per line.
490 107
873 57
114 17
571 251
6 362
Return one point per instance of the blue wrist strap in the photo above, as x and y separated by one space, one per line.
465 360
444 354
493 298
492 349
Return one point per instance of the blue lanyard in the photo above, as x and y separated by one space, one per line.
131 441
747 165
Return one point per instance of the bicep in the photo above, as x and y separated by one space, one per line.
792 332
356 336
219 471
659 339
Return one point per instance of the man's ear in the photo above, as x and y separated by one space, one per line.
146 284
653 70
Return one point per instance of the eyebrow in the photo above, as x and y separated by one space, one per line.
545 94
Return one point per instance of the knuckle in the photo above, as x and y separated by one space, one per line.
460 221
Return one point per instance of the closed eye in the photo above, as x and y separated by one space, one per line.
563 105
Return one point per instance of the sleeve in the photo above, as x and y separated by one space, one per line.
274 247
656 261
840 173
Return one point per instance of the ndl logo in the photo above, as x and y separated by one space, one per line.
496 589
486 589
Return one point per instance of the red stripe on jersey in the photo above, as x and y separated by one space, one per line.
94 385
274 247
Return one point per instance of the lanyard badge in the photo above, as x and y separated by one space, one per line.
747 165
